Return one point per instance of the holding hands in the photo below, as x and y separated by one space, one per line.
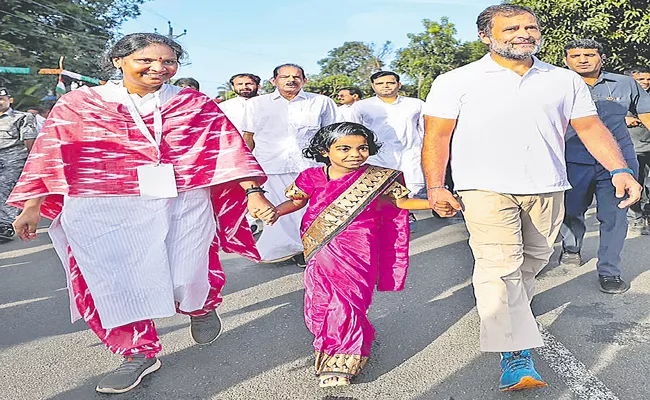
443 202
260 207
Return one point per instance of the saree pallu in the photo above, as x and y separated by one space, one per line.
354 238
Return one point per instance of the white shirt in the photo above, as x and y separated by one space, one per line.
346 112
399 127
234 110
509 136
282 128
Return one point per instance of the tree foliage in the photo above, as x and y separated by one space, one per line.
35 33
434 52
329 85
622 26
348 65
356 60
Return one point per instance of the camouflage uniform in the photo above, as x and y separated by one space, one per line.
15 128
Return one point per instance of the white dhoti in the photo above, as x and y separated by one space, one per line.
282 239
139 257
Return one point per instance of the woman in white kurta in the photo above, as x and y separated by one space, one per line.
145 183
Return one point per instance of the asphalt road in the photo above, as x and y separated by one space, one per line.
427 347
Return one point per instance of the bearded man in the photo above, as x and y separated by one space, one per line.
508 114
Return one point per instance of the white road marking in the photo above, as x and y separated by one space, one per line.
583 384
22 302
24 252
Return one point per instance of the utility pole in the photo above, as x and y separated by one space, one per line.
170 33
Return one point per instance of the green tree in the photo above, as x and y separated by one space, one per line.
356 60
622 26
35 33
434 52
225 91
328 85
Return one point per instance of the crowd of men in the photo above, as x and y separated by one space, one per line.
533 144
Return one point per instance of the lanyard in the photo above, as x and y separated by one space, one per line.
157 121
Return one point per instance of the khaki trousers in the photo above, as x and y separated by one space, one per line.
512 239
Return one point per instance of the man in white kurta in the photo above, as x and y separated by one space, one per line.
347 97
277 126
246 87
397 122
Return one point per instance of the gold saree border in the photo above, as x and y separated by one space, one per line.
351 364
338 215
293 192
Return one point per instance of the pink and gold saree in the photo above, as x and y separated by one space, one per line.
354 238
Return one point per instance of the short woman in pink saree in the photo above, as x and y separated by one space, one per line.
355 233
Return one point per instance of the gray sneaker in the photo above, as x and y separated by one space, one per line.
639 228
568 259
206 328
128 375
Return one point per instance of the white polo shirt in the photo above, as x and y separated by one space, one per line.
282 128
234 110
509 136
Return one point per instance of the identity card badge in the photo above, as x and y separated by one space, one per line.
157 181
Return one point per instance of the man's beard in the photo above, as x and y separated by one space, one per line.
507 50
248 95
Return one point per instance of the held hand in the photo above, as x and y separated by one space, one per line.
625 183
440 199
26 223
260 207
631 122
268 215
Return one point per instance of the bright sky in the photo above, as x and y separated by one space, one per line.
225 37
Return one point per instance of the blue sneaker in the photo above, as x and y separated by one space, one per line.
519 372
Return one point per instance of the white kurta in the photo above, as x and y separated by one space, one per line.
282 128
347 112
138 256
234 110
281 239
400 128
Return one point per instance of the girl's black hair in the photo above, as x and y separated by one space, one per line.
129 44
327 135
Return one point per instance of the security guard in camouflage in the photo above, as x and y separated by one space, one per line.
17 134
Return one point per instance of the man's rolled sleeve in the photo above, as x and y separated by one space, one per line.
583 104
443 101
248 122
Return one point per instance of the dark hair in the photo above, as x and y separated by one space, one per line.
328 135
383 73
191 82
637 70
254 77
485 20
277 69
129 44
354 90
584 44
